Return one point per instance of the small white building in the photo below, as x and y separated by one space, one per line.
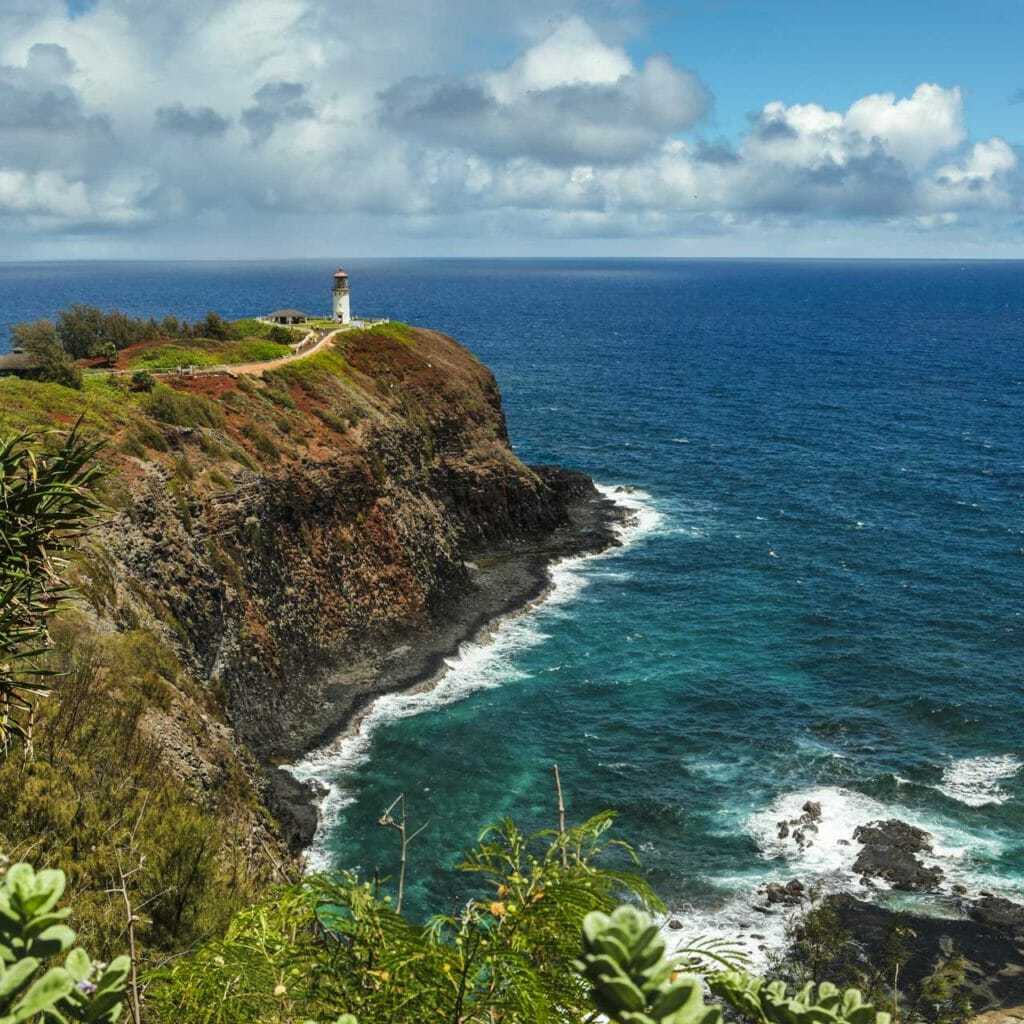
341 309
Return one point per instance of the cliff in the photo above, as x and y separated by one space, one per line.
305 540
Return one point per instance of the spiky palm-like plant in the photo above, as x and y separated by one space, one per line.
47 500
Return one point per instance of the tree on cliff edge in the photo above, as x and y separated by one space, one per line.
39 340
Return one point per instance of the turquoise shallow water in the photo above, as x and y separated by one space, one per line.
821 599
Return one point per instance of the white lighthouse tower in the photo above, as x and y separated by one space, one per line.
339 294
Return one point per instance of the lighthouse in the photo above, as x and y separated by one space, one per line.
340 300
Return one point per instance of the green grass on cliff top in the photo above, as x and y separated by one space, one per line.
107 407
207 353
253 345
32 405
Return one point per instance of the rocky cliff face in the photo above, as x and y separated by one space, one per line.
349 522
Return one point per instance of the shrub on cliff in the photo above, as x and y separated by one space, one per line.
181 409
280 335
90 789
85 330
143 380
101 793
214 326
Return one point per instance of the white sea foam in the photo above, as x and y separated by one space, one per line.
478 665
975 780
842 810
827 865
757 935
645 518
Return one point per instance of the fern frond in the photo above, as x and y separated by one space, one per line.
706 955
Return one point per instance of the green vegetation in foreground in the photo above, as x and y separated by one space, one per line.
42 977
336 944
47 500
83 781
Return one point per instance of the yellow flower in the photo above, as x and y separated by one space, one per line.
498 909
280 990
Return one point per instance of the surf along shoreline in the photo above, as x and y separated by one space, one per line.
508 581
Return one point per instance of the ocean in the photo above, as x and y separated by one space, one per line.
820 596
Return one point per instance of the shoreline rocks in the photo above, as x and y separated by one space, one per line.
889 853
992 948
508 578
792 894
999 913
802 828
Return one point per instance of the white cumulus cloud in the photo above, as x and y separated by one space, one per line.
163 119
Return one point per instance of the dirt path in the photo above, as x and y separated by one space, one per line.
247 369
258 369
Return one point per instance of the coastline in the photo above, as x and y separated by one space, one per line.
507 581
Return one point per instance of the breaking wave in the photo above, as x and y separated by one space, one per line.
974 781
478 665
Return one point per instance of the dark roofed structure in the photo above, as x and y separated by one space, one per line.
18 363
288 316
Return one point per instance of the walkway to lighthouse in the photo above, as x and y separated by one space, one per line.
307 347
302 350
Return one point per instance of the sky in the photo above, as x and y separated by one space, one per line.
289 128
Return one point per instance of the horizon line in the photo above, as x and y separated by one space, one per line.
5 261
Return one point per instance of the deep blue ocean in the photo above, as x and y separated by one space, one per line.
821 597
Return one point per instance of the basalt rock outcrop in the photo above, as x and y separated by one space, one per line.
889 853
993 949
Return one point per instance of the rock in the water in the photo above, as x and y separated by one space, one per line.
890 853
894 833
675 924
801 828
789 895
812 809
